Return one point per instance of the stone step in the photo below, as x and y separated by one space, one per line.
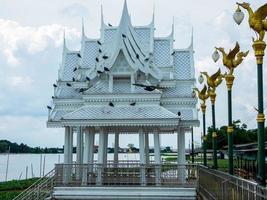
132 193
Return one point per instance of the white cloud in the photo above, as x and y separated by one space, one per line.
20 81
15 37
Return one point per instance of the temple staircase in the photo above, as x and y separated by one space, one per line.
40 190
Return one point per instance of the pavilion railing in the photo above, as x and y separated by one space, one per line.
126 174
214 184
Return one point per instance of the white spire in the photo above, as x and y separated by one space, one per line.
64 42
102 17
125 14
83 33
192 39
153 15
172 26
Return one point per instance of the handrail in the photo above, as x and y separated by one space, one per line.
214 184
30 191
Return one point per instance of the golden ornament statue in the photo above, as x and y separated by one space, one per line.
257 20
203 95
214 80
233 58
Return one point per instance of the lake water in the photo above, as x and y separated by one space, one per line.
19 162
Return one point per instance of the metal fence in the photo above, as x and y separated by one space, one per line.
126 174
211 184
214 184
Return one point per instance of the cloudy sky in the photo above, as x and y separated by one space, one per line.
31 47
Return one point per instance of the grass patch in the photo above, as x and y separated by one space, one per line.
10 189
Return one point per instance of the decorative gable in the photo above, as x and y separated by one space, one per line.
121 66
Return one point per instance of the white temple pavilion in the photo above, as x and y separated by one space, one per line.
126 82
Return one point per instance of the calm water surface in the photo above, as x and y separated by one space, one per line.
19 162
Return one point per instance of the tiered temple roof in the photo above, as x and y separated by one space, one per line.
95 84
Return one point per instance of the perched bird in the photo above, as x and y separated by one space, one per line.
48 107
74 69
106 69
109 24
133 103
173 53
68 84
53 97
98 71
98 42
82 90
73 79
87 78
137 56
123 35
96 59
111 104
256 109
147 59
99 50
79 55
54 85
179 113
148 87
105 57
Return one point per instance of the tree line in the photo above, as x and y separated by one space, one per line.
242 135
5 145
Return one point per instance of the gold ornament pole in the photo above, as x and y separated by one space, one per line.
258 22
203 96
231 60
213 82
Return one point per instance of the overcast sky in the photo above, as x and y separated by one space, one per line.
31 49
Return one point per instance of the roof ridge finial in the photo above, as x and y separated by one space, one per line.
172 26
192 38
102 16
83 33
64 41
153 15
125 13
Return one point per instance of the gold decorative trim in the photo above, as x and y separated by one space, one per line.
203 108
259 47
230 129
214 134
212 97
260 117
229 78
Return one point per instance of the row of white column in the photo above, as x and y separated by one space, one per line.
85 152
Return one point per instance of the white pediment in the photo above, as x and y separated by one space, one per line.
121 66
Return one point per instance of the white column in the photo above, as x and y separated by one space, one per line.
88 154
100 156
79 148
85 156
147 147
71 146
91 146
142 156
157 157
105 146
181 154
116 149
70 153
66 155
